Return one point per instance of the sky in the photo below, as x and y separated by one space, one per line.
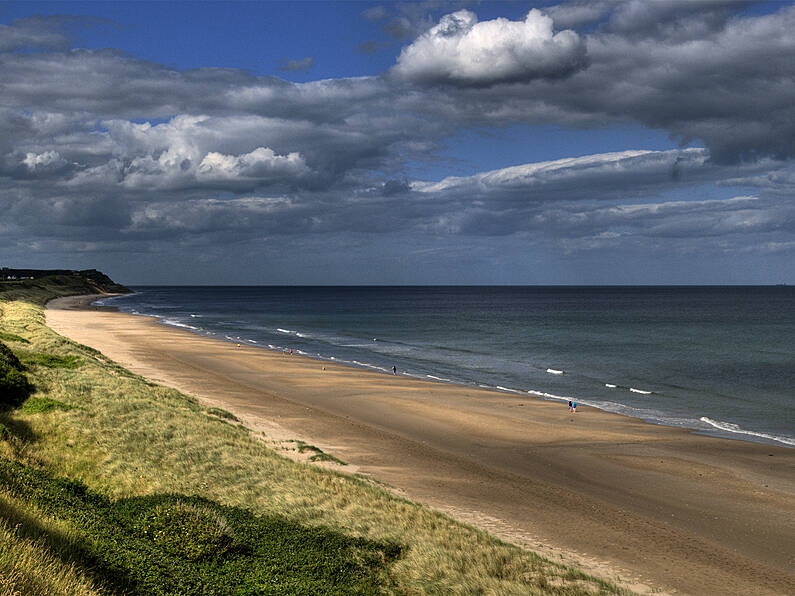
280 143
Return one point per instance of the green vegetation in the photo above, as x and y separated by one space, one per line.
12 337
52 360
319 454
14 385
112 484
189 545
35 405
222 414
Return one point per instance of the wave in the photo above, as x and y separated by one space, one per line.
508 389
641 391
178 324
733 428
610 385
439 379
554 371
287 331
368 365
546 395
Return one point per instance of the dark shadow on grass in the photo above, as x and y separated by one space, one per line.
17 431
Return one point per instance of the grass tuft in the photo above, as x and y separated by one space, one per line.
36 405
53 360
222 414
326 457
4 336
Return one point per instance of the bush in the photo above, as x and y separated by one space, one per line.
187 531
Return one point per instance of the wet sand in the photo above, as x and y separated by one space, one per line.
662 507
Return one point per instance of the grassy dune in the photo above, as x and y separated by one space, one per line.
131 458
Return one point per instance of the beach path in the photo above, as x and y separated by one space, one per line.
661 507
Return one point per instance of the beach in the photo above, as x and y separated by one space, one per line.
661 507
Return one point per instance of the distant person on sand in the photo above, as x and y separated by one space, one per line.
394 370
570 406
574 406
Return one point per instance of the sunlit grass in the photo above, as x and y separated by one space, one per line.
31 545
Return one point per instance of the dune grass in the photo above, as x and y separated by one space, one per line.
125 438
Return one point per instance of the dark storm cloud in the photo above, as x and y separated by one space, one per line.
108 146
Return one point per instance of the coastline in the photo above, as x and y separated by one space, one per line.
680 511
657 382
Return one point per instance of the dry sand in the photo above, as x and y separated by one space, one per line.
662 507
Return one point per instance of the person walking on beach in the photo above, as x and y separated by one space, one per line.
394 370
570 406
574 407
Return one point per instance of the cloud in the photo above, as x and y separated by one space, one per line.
370 47
298 65
37 32
660 19
260 163
604 176
144 156
462 51
187 152
375 13
575 13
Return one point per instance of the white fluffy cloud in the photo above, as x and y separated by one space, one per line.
182 153
43 161
462 51
262 162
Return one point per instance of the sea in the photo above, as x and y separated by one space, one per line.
717 360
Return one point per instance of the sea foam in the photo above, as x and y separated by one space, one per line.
734 428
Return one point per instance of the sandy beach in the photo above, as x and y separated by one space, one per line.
663 508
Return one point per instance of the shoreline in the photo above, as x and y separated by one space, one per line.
709 428
673 509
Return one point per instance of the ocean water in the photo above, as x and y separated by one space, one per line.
719 360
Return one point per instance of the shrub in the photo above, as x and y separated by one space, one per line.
187 530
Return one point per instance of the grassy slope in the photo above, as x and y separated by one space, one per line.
125 438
